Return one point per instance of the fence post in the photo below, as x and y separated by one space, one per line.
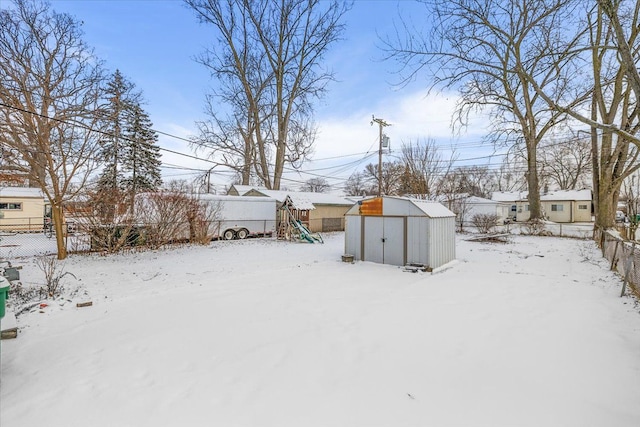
627 268
615 252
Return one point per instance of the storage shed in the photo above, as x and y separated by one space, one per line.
400 231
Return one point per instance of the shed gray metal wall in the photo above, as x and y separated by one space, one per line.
353 236
442 241
429 241
425 240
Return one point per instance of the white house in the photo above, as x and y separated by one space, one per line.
557 206
474 205
21 208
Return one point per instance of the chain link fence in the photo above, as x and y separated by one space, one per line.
17 241
623 256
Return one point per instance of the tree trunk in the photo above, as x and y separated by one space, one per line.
58 225
532 181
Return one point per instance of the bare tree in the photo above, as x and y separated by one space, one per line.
391 177
357 185
510 175
316 185
566 164
611 49
631 192
424 167
490 51
268 60
476 181
49 92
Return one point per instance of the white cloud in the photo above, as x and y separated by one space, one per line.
412 116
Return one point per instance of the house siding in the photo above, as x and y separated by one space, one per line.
29 218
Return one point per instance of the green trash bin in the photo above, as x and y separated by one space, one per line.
4 295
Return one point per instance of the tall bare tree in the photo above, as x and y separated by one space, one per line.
358 185
423 168
611 50
490 51
49 91
267 60
567 164
316 185
390 182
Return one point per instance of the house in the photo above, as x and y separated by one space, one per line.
474 205
320 212
21 209
400 231
466 207
563 206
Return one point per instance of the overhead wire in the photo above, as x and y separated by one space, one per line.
338 169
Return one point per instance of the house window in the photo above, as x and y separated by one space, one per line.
526 208
583 207
11 206
513 208
557 208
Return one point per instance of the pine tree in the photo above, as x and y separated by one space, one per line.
121 97
141 155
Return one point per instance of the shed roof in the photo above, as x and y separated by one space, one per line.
21 192
404 206
432 209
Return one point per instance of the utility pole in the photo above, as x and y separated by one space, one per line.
381 124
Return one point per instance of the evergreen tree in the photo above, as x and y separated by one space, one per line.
120 97
141 154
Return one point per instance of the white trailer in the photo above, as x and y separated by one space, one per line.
239 217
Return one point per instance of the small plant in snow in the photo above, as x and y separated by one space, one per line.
53 273
535 227
485 223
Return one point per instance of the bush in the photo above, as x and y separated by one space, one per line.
485 223
535 227
53 273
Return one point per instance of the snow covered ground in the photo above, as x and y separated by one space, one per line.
266 333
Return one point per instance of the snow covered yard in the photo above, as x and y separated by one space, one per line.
266 333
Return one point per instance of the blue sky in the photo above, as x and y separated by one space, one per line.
153 43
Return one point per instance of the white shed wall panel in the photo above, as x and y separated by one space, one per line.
442 238
353 237
417 240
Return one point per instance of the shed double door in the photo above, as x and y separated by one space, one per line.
384 240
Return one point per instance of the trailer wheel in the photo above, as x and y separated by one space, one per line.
242 233
229 235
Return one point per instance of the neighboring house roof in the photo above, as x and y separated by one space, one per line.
304 198
573 195
559 195
244 189
508 196
21 192
475 200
